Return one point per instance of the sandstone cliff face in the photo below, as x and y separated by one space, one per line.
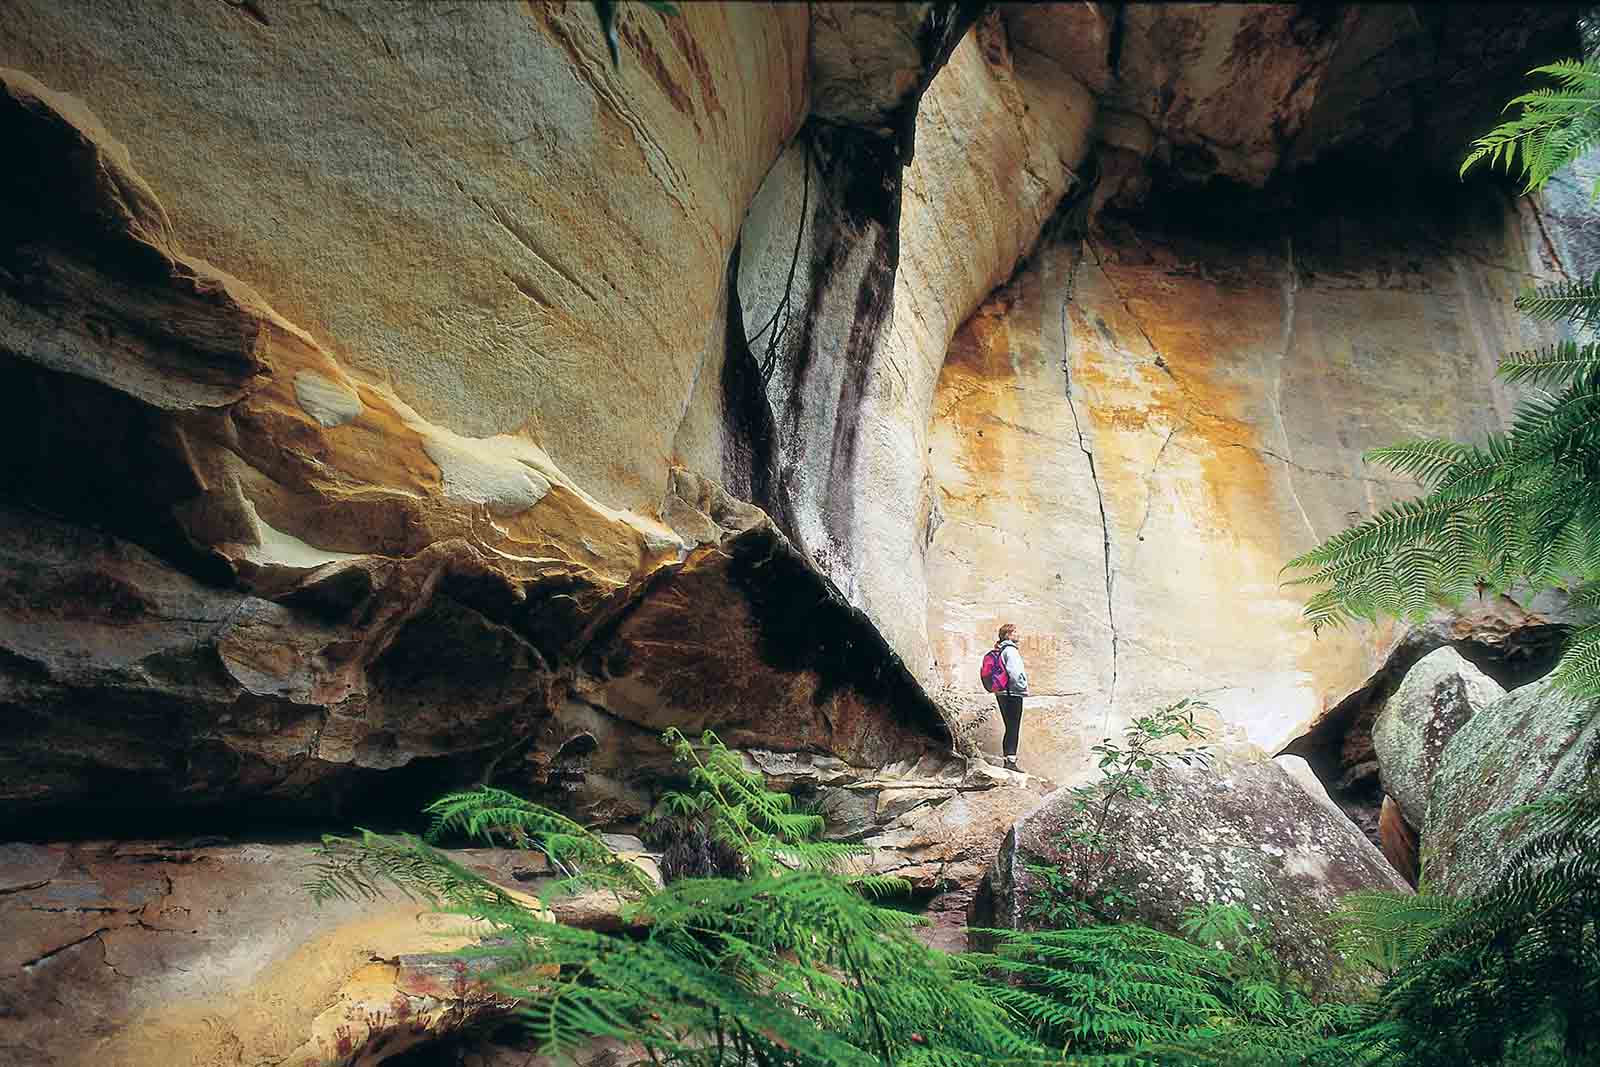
1283 337
408 346
398 395
1135 435
315 558
468 206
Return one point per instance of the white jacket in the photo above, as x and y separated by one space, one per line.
1016 673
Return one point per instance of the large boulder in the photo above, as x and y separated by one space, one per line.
1240 832
1512 640
1435 699
1534 742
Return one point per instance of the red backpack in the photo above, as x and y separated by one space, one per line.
993 672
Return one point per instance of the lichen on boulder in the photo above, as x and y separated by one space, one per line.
1240 832
1435 699
1533 742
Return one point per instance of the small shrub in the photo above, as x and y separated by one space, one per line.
1083 887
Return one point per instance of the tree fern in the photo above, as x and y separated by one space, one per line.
793 964
1554 126
1385 930
1515 969
368 866
1523 508
733 807
1126 994
1575 302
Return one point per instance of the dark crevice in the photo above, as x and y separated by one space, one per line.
1094 474
806 625
947 23
50 422
750 446
853 200
1118 29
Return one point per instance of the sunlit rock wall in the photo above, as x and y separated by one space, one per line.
416 341
440 195
1134 436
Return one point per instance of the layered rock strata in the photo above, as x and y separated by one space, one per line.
465 327
301 579
186 954
935 825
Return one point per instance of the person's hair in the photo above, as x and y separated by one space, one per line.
1008 632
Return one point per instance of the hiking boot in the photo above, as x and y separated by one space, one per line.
1011 764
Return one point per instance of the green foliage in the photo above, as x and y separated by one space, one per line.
1083 888
496 818
1555 126
364 867
794 965
1511 975
1523 508
1385 930
1126 994
733 807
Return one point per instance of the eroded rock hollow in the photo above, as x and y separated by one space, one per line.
398 396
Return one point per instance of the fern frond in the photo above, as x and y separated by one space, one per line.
1425 460
498 818
1551 365
1576 302
365 867
1553 127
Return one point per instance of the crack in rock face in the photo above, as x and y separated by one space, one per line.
720 388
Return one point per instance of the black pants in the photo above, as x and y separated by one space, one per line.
1011 715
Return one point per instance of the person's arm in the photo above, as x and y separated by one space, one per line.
1015 670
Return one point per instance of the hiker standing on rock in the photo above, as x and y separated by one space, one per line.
1004 674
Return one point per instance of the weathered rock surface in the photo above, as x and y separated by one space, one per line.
1132 437
998 133
356 563
936 824
271 406
1435 699
1306 778
128 679
1531 743
1239 833
169 954
1251 92
470 206
1511 643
